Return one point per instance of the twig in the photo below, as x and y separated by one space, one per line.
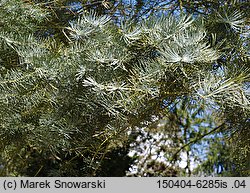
195 140
38 171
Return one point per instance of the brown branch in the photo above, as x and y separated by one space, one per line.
195 140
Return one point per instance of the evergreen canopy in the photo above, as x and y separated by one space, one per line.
76 96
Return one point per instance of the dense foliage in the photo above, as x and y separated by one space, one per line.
80 88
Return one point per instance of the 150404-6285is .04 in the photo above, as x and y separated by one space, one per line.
200 184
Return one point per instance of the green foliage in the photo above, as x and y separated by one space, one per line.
73 86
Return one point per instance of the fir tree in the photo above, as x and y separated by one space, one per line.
70 93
